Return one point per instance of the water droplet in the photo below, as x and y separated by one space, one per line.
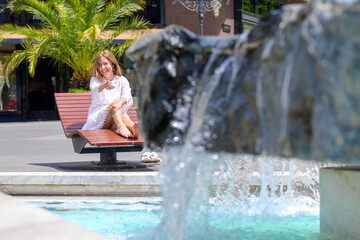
169 108
175 124
176 205
171 69
215 156
176 139
148 209
207 134
182 165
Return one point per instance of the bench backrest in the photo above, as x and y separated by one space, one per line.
73 110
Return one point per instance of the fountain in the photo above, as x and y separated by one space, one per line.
287 88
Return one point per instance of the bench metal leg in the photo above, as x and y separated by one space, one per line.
107 158
78 143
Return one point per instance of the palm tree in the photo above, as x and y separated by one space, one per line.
72 32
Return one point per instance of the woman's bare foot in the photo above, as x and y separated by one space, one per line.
136 130
123 131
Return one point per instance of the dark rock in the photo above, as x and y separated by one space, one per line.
289 87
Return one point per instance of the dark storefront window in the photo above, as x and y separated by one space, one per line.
42 86
8 86
154 12
4 15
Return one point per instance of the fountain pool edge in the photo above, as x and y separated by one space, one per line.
81 183
25 221
339 201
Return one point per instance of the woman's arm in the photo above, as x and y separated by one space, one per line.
116 105
125 101
126 94
94 85
104 85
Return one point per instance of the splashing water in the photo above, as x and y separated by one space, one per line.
199 187
202 189
213 196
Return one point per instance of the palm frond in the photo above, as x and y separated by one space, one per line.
14 60
94 8
130 24
66 15
27 31
116 10
37 8
119 50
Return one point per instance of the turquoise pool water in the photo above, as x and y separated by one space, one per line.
139 220
114 220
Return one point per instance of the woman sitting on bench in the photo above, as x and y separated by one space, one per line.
111 98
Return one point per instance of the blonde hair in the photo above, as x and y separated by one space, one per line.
111 58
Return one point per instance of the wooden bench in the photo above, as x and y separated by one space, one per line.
73 110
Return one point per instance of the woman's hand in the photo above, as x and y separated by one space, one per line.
108 85
116 105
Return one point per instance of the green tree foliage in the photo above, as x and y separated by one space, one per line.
260 7
72 32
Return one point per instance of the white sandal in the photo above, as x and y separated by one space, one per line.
150 157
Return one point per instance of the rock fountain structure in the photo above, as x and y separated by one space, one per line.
290 87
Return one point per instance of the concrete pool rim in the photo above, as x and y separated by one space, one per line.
24 220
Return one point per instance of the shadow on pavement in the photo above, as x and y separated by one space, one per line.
95 166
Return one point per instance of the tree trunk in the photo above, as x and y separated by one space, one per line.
80 79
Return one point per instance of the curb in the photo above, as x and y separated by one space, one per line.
141 184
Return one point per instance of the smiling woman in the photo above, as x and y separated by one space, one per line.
111 98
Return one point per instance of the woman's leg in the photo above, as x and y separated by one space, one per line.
121 127
109 122
133 127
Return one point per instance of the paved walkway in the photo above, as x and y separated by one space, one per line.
42 147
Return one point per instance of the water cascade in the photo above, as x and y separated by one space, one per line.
229 114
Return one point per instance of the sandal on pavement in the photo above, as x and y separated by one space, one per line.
150 157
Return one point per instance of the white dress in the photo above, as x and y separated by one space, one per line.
100 100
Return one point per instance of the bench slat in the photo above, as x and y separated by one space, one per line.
106 137
78 105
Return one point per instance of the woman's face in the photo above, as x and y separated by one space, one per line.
106 68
